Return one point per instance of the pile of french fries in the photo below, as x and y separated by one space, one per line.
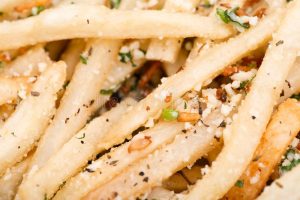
149 99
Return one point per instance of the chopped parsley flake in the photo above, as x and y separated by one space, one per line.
296 96
115 4
106 92
83 136
83 59
169 114
229 15
239 183
66 84
292 159
245 84
37 10
207 4
126 57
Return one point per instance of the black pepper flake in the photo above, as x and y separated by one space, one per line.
107 120
134 184
113 163
82 142
200 111
66 120
282 93
278 184
204 124
146 179
92 102
89 170
288 83
279 43
184 131
86 106
256 158
34 93
77 111
253 117
19 147
88 21
115 194
223 124
141 173
216 138
13 133
90 51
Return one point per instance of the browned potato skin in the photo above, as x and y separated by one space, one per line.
283 127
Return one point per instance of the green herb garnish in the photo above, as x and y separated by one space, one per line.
37 10
115 4
239 183
83 136
83 59
66 84
230 15
106 92
294 162
296 96
126 57
169 114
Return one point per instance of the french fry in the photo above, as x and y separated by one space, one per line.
292 83
77 105
79 23
71 56
285 187
58 169
283 127
10 181
167 49
28 122
254 113
196 72
143 175
32 63
173 68
161 134
11 88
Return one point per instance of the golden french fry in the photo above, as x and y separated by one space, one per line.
26 125
283 127
254 113
124 24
